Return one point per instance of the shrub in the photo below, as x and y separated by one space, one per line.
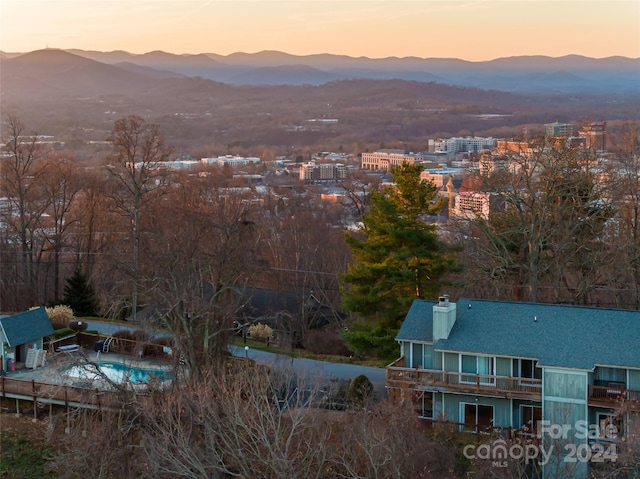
165 341
62 332
153 350
335 398
260 332
134 341
140 335
78 326
60 316
361 391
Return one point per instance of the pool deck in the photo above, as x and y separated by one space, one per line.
57 362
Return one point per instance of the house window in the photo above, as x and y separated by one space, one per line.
527 369
468 364
423 403
606 376
531 417
609 426
416 355
477 417
483 365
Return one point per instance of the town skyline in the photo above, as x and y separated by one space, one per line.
469 30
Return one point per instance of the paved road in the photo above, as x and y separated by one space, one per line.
110 328
106 328
319 371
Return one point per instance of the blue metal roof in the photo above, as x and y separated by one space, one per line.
26 327
557 335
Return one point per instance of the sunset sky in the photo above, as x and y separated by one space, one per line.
471 30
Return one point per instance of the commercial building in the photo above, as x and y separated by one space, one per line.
462 144
553 130
313 172
440 176
230 160
595 135
383 160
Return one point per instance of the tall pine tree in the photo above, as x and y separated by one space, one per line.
397 258
80 295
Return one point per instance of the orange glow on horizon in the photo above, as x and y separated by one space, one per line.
471 30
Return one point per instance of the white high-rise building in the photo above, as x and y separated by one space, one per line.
470 204
462 145
322 172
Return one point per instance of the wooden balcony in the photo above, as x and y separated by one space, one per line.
450 381
613 396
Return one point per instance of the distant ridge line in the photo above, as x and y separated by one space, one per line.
521 74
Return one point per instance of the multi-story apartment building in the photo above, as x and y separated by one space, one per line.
471 204
541 368
490 164
595 135
313 172
553 130
230 160
384 159
462 144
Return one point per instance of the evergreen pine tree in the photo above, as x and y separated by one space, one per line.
397 258
80 295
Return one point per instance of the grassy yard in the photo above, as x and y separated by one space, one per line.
22 458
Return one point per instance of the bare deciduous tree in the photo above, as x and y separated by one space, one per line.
624 187
545 230
251 421
20 173
196 268
137 176
61 185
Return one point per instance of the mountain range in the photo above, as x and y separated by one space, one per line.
276 100
523 74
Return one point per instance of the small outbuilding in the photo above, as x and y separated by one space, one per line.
20 333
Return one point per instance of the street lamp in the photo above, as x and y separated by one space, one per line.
246 353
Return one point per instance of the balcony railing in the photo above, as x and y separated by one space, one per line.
491 385
609 396
453 381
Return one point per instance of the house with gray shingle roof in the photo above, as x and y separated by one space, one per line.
499 365
21 332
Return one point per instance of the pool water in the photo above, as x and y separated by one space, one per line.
118 372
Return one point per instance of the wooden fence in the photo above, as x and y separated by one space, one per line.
133 347
49 393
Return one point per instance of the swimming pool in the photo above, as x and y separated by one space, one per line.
118 372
